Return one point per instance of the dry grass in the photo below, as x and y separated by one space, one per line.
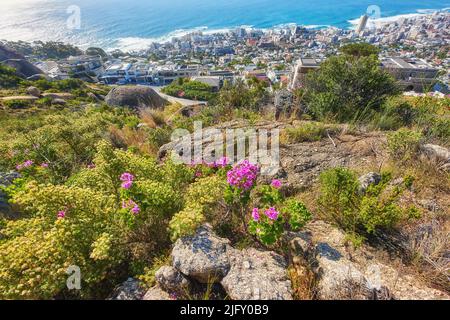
132 138
303 280
147 118
431 255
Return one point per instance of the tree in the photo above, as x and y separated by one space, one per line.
360 50
348 88
8 77
248 95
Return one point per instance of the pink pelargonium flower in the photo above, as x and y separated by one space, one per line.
276 184
126 177
133 206
255 214
135 210
243 176
61 214
272 213
127 184
28 163
24 165
222 162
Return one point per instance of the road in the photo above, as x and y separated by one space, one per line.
183 102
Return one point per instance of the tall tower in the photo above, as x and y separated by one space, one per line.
362 23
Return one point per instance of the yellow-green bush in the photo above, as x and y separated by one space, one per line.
38 250
94 232
201 198
360 213
308 131
404 144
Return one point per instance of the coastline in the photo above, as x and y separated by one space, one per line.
130 44
137 44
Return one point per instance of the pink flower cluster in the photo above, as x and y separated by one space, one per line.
255 214
243 176
221 163
24 165
61 214
276 184
270 213
127 180
133 206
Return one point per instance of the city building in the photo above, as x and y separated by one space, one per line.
362 23
412 73
301 69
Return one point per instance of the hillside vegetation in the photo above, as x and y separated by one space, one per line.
92 192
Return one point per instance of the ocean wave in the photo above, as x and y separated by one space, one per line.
419 12
134 44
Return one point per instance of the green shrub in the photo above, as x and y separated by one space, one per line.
298 214
17 104
65 141
308 131
189 89
201 201
348 88
342 203
8 78
404 144
38 250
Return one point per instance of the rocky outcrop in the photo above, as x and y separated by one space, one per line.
437 154
24 69
283 102
129 290
203 256
135 97
58 95
20 98
59 102
155 294
346 273
244 275
33 91
17 61
257 275
367 180
172 280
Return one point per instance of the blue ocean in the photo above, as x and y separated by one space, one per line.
134 24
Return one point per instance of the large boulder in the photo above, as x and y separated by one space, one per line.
24 69
172 280
129 290
367 180
17 61
257 275
33 91
135 97
436 153
345 273
244 275
203 256
156 293
58 95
